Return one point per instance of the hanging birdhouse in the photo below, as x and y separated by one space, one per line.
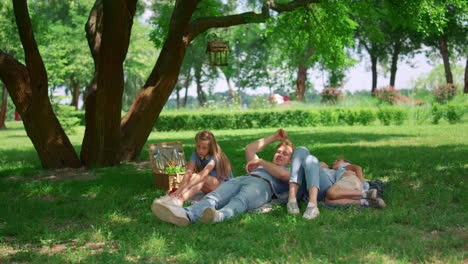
218 52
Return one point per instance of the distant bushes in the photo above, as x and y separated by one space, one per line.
387 115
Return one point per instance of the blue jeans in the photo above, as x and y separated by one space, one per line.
238 195
306 167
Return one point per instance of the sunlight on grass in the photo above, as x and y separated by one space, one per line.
106 218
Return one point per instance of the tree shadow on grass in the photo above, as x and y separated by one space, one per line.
115 209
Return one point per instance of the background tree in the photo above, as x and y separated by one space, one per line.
446 31
318 35
108 139
370 38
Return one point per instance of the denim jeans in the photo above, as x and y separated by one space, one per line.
306 167
238 195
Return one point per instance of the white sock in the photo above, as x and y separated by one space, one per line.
364 202
292 200
311 205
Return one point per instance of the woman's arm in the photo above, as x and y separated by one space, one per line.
356 169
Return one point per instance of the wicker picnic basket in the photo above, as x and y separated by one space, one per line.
163 155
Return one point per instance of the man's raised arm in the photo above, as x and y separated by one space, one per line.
253 148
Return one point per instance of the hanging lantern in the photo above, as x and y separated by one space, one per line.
218 52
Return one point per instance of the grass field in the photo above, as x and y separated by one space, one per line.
104 216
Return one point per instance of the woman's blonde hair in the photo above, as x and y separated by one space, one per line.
223 165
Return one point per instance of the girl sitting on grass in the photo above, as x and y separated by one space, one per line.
211 167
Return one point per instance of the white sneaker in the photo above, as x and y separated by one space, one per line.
311 212
211 216
169 200
293 208
172 214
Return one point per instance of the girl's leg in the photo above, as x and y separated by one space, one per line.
297 171
211 183
296 178
195 185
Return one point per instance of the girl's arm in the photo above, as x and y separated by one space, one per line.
190 166
253 148
207 169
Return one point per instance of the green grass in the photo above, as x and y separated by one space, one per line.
105 217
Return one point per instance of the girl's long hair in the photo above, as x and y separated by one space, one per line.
223 165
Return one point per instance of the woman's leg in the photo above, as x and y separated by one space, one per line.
337 193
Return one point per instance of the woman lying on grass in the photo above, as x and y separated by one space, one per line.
341 184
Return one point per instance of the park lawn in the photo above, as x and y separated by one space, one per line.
103 215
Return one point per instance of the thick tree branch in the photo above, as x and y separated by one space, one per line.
33 58
202 24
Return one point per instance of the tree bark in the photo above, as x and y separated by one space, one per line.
101 144
465 90
138 123
52 145
28 87
187 85
301 82
178 101
445 57
374 73
201 96
231 90
3 108
394 63
75 92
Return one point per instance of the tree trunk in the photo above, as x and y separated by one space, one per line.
445 57
301 82
231 90
393 67
374 74
465 90
178 88
28 87
75 92
101 144
138 123
201 96
3 108
43 128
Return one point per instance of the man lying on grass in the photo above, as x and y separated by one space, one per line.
263 180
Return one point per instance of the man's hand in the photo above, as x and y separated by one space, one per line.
253 164
280 135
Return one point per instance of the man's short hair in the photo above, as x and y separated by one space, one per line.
287 143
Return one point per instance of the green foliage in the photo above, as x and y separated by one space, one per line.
437 113
330 116
68 117
453 113
392 115
176 169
